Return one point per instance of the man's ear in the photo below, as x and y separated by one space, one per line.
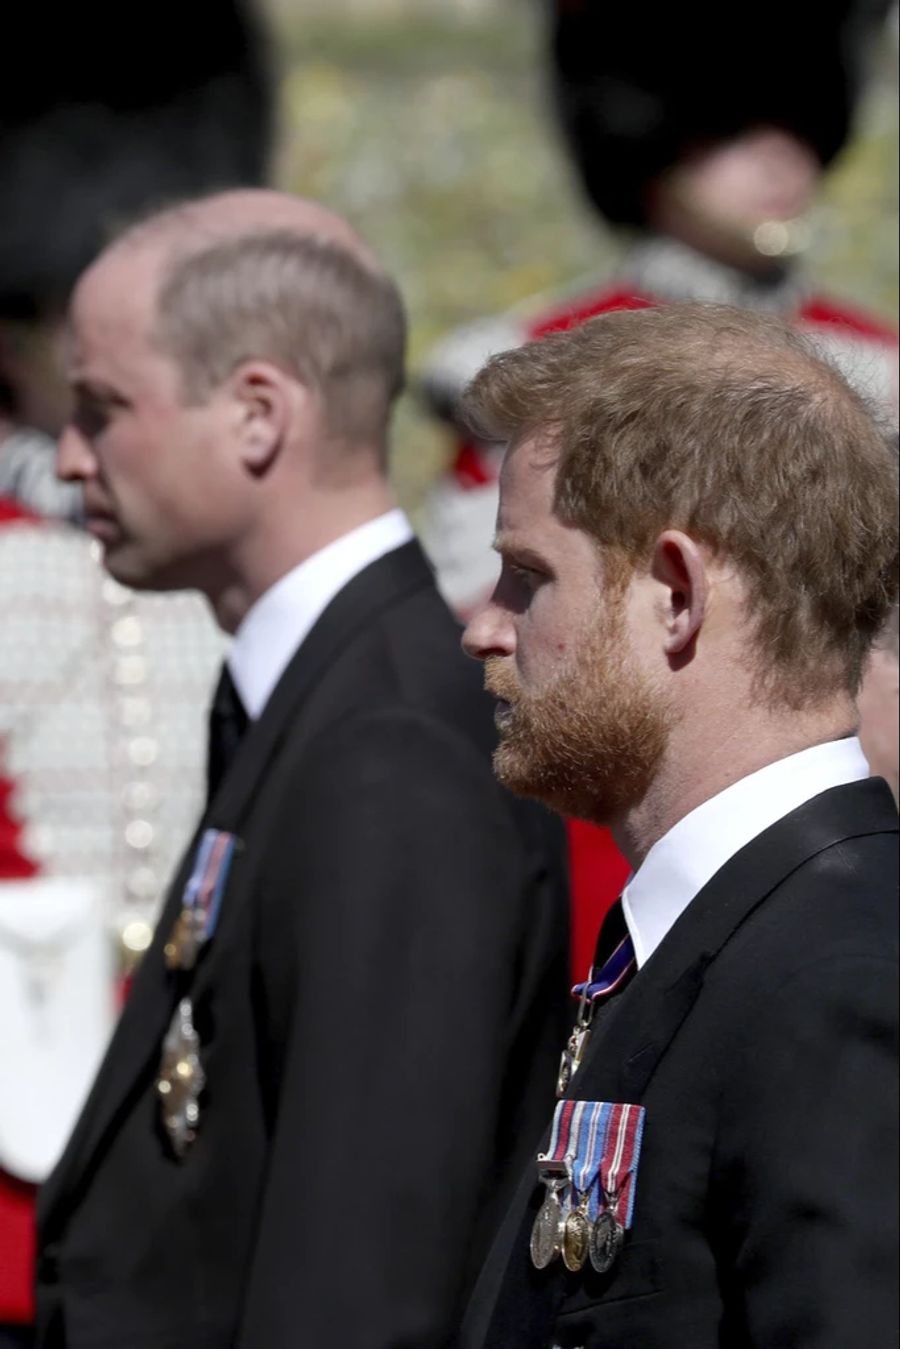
679 565
264 398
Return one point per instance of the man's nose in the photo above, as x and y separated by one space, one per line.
489 632
75 460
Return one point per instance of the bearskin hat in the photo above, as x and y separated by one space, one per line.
119 110
638 84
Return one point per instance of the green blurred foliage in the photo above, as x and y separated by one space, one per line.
431 133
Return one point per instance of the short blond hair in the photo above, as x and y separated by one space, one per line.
729 426
308 305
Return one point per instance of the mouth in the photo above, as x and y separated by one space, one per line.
503 714
102 527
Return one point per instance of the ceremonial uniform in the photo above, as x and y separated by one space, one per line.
458 521
723 1168
343 1041
102 747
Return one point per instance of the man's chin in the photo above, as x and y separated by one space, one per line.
580 800
522 778
124 565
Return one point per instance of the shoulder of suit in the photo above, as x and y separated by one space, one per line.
838 907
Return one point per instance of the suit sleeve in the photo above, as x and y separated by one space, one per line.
808 1151
398 955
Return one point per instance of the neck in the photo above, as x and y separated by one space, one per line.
289 535
702 760
729 242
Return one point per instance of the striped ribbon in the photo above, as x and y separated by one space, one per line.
205 887
611 975
600 1141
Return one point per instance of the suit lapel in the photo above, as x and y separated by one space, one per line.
623 1057
512 1303
639 1026
375 589
134 1050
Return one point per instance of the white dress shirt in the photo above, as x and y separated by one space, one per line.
282 618
678 866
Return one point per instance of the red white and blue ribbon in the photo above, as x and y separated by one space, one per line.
599 1143
611 975
205 886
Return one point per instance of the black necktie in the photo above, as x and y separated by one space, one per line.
227 722
613 930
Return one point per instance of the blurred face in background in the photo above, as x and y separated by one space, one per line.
581 726
160 487
741 200
32 367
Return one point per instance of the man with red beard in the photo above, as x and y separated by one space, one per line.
698 537
703 147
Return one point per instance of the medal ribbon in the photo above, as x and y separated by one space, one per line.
599 1140
589 1146
566 1124
611 975
619 1159
203 892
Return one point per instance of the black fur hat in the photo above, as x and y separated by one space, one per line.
637 82
119 109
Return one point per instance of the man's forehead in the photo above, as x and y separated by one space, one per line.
528 473
113 303
127 276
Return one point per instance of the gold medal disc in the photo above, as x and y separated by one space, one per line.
576 1240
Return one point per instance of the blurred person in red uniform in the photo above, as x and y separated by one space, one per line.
706 136
102 694
17 1238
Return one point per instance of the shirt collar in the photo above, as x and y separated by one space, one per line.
279 622
679 865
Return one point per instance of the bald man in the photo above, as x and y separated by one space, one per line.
343 1036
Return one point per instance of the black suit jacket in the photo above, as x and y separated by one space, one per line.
761 1039
380 1010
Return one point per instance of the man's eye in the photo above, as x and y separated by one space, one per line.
527 575
91 418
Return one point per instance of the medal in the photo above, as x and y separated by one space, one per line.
573 1053
599 984
575 1046
202 897
589 1170
606 1239
576 1237
547 1232
181 950
181 1080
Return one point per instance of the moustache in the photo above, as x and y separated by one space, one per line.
500 680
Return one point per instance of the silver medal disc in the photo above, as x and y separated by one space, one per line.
547 1233
606 1242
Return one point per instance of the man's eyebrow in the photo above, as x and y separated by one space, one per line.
517 552
94 389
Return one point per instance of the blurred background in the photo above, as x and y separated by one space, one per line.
427 122
431 125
